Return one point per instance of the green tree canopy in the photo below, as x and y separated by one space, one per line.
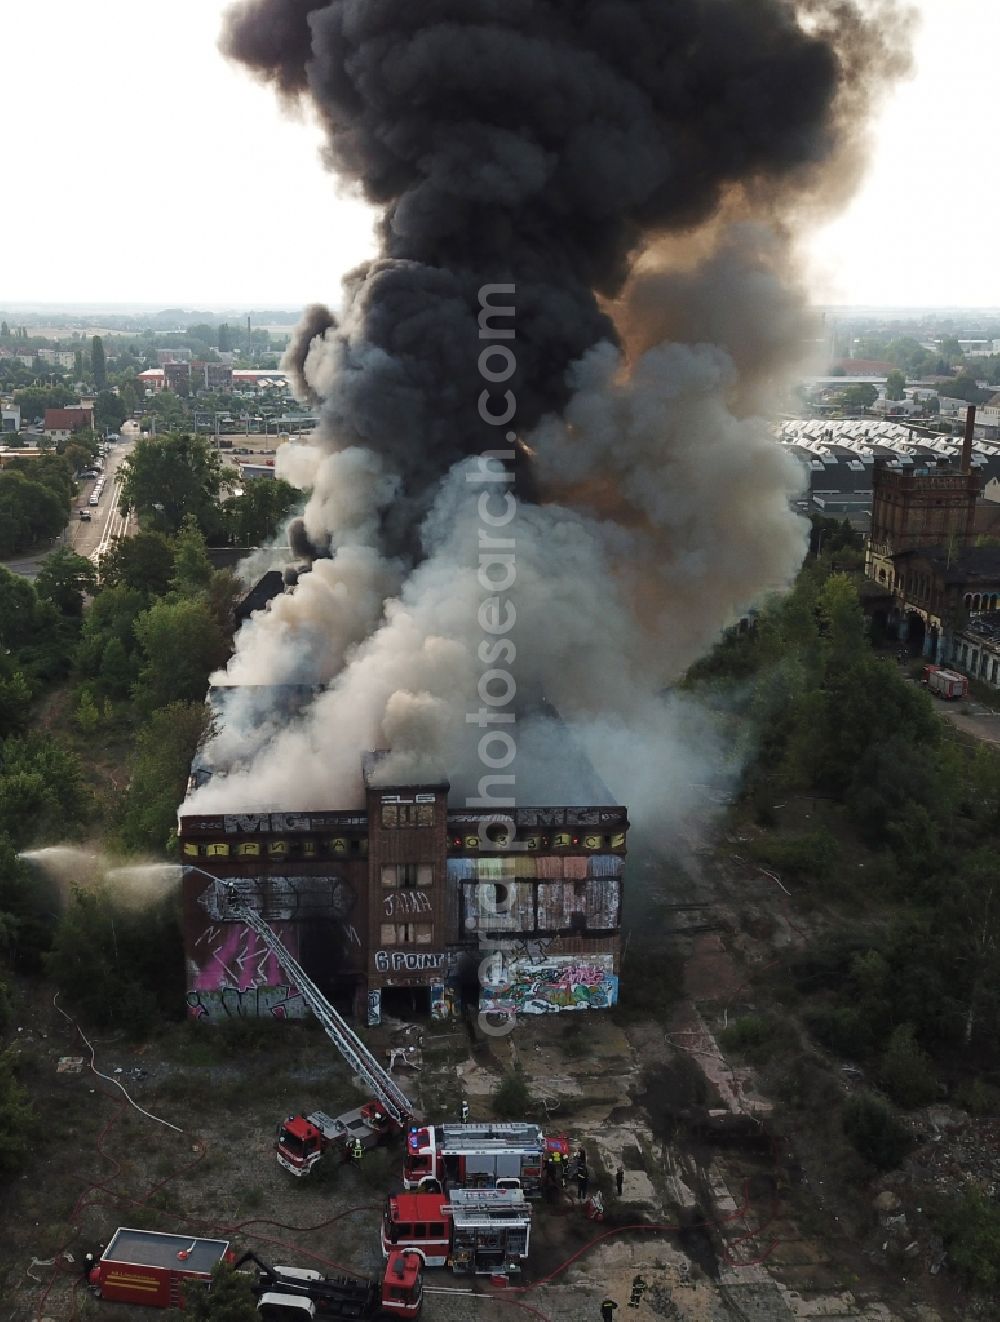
97 363
30 512
144 563
109 411
964 387
42 790
18 607
34 400
119 964
111 620
164 751
17 1119
860 396
182 643
894 385
230 1298
167 477
192 567
255 516
64 579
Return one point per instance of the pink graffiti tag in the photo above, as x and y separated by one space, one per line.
581 975
241 960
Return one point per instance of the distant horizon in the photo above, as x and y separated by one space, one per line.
295 307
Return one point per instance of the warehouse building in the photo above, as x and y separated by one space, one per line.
408 904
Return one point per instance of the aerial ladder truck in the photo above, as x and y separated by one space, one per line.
302 1139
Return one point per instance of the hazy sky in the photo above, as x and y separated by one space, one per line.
141 167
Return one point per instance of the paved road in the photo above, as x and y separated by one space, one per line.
106 525
93 538
974 718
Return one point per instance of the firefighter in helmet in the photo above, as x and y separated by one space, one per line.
357 1149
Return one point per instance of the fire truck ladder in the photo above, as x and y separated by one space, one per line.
361 1060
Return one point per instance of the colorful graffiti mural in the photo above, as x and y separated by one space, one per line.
549 985
234 973
278 1002
282 899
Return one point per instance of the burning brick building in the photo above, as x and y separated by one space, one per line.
506 334
408 904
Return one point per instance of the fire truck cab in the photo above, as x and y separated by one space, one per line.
479 1231
302 1139
482 1156
294 1293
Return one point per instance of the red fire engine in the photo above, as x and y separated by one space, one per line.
483 1156
303 1139
294 1293
146 1267
482 1231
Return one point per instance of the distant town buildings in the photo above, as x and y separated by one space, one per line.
933 550
209 376
60 424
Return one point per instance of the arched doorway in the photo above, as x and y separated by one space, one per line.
915 634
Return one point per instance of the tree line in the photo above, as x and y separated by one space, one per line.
903 866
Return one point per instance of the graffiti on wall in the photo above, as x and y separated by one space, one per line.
231 955
547 817
374 1007
548 986
282 899
234 974
403 904
281 1001
409 961
442 1000
276 823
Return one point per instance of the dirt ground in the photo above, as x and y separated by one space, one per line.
722 1216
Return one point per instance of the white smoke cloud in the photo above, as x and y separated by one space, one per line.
608 611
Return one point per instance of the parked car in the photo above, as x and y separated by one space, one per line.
93 500
85 516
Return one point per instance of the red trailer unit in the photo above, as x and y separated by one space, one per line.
145 1267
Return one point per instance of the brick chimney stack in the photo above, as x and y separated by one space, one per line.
970 429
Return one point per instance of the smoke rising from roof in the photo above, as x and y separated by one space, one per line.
636 170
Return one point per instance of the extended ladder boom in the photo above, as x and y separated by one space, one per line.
343 1037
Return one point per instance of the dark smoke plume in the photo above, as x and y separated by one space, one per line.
536 141
316 321
638 169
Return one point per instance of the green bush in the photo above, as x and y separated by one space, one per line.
17 1119
808 856
651 983
230 1298
875 1132
970 1226
117 965
840 1029
756 1037
978 1097
906 1070
512 1098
